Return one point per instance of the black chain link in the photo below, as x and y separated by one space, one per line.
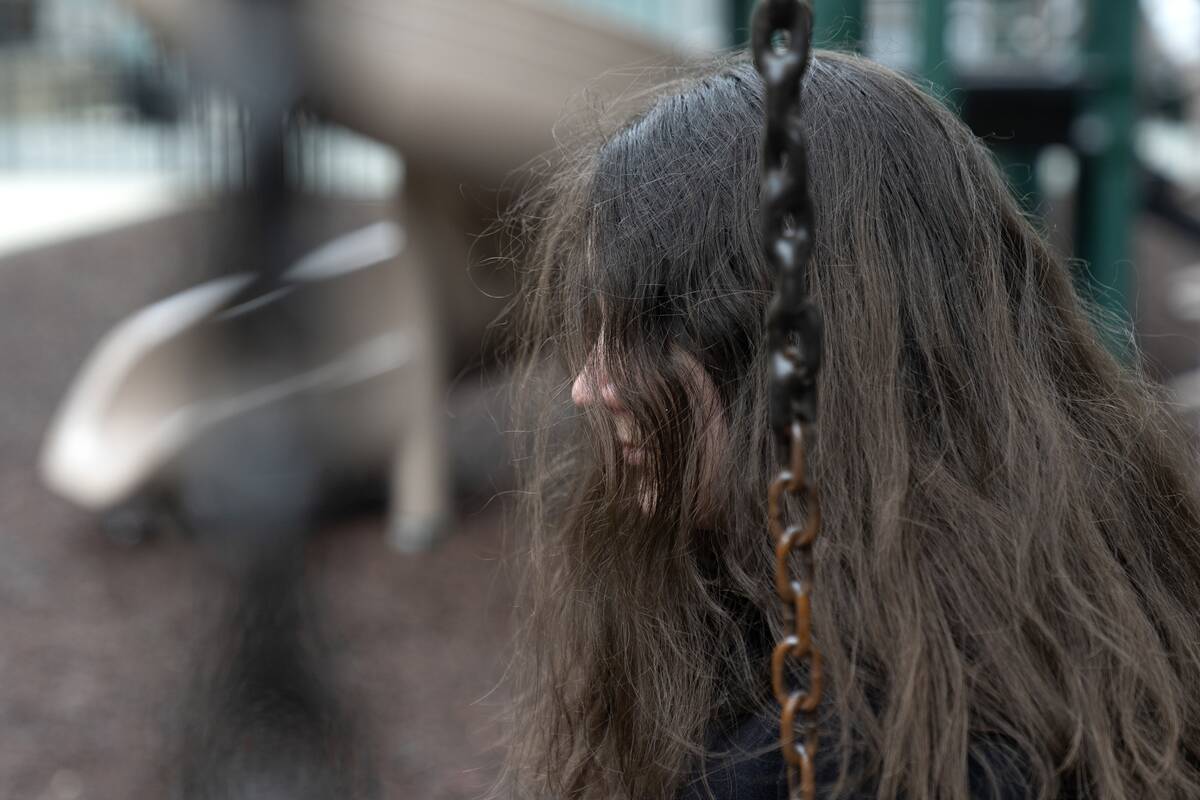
781 43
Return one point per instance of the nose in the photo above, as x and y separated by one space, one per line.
582 393
592 387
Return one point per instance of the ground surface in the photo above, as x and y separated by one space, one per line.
98 642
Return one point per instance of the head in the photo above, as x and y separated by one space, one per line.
1008 543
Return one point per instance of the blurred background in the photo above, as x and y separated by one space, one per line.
255 441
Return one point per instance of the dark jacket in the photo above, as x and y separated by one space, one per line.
762 777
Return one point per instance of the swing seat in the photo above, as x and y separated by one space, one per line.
163 382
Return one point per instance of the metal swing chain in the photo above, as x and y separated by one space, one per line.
781 35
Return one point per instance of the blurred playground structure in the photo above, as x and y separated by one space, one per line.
113 114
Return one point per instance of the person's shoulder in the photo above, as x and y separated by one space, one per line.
746 764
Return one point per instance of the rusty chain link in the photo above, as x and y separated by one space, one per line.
798 706
781 34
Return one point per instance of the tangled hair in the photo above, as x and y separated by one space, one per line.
1009 567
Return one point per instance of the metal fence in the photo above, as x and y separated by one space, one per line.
88 93
84 90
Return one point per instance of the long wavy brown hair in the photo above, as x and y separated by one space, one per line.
1010 558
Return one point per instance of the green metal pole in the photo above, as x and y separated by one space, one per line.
1107 190
838 24
935 64
739 22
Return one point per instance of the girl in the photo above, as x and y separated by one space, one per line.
1009 565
